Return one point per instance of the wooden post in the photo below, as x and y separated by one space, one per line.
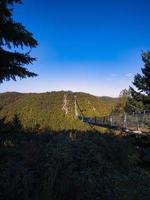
138 127
143 119
111 120
125 121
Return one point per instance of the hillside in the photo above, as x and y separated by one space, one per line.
52 110
110 100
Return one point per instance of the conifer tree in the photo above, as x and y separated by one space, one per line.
142 82
14 35
133 104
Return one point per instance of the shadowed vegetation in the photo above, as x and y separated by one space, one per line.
14 36
72 165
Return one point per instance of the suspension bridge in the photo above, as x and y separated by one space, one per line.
126 121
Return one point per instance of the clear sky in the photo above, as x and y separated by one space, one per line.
92 46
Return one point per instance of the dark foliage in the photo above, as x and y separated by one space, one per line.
12 36
142 84
72 165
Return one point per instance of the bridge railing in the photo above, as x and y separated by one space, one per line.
133 121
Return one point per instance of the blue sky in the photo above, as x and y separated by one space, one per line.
92 46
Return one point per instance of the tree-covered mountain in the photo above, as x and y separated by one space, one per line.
52 110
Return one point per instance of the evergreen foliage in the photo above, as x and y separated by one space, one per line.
88 165
44 110
13 35
127 103
142 83
134 104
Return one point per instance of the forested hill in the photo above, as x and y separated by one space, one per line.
52 110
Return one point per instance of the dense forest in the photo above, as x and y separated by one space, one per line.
77 166
58 163
47 111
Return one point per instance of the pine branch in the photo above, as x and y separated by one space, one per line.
16 34
11 65
7 57
13 72
11 2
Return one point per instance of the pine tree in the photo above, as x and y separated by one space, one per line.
142 82
13 35
132 104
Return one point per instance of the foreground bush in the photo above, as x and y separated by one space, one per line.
74 166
